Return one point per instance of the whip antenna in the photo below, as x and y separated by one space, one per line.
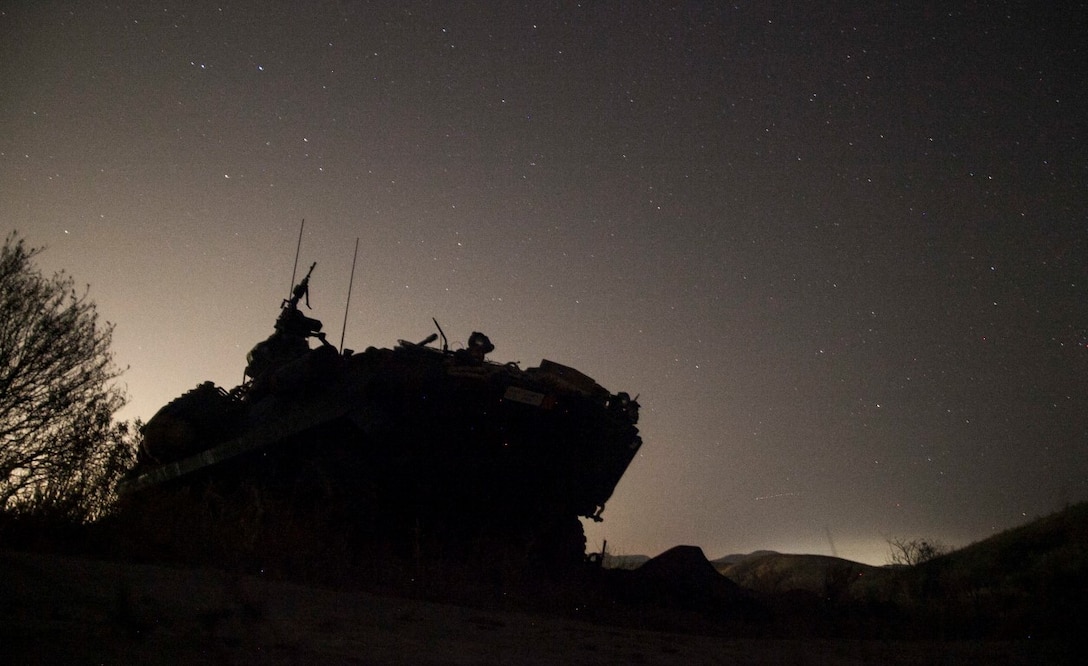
351 281
298 248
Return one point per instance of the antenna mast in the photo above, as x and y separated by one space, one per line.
351 281
294 269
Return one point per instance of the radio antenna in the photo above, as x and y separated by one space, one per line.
294 269
445 343
351 281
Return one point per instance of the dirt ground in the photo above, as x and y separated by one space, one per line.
68 610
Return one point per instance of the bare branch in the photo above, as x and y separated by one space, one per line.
911 552
57 391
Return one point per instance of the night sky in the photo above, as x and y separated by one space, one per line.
840 252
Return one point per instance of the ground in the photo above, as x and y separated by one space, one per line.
65 609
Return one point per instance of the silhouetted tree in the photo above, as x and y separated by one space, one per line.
60 450
910 552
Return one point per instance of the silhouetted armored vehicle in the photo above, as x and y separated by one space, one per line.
417 439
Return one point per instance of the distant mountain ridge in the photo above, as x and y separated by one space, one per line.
1045 559
736 558
633 561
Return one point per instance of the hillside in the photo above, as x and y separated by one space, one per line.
1017 597
1030 581
770 573
64 609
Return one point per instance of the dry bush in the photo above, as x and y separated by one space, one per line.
911 552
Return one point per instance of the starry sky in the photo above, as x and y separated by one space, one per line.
839 251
